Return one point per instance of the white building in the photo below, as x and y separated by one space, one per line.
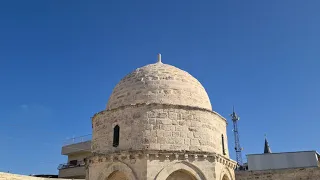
284 160
77 149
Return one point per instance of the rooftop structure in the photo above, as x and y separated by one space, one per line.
284 160
277 166
77 149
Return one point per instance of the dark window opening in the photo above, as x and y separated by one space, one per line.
223 149
116 135
73 162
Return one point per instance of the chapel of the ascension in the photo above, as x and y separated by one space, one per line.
159 125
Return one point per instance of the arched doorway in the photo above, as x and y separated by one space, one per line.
117 175
181 175
225 177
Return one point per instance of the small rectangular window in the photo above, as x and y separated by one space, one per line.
116 136
223 149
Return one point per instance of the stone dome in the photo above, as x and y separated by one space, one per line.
159 121
159 83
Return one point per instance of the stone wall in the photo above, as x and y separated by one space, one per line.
284 174
142 165
103 167
9 176
210 168
160 127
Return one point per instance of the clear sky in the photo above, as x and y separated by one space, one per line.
59 61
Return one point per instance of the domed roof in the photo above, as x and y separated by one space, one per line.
161 84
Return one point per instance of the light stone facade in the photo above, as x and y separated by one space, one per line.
168 130
159 127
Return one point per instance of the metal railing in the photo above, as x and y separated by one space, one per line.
78 139
68 165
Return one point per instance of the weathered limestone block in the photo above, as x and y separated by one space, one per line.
146 126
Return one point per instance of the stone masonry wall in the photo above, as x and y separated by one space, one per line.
160 127
155 165
285 174
203 167
9 176
210 170
104 168
131 126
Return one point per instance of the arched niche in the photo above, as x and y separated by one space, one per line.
225 177
116 170
117 175
181 175
183 168
226 174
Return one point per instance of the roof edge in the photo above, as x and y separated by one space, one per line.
283 153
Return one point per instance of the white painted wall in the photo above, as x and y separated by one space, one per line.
282 160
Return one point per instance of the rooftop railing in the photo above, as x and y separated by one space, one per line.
71 165
78 139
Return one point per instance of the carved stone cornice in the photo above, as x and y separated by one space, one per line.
133 156
185 107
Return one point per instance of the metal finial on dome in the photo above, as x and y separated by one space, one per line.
159 58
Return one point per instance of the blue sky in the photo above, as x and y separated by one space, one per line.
59 61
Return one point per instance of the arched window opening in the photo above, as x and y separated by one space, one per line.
225 177
223 149
181 174
116 135
117 175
